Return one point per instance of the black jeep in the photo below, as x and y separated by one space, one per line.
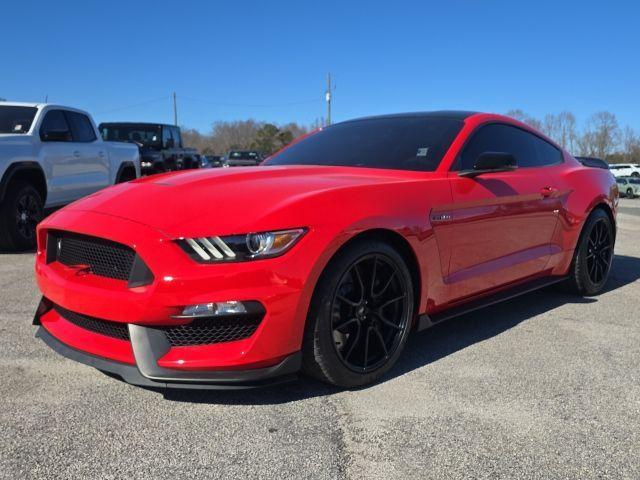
161 148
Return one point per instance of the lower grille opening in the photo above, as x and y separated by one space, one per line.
96 325
199 332
215 330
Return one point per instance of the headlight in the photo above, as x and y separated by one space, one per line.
239 248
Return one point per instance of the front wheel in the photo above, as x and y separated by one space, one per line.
360 316
20 213
593 256
630 193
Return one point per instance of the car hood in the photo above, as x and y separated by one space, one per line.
228 201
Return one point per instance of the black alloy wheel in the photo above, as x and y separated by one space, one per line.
22 211
599 252
360 316
369 313
593 256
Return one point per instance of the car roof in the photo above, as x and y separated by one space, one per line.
454 114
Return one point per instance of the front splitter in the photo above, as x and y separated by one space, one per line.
284 371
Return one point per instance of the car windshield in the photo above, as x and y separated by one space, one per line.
146 135
243 155
16 119
403 143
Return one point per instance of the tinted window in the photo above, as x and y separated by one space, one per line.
547 153
81 127
404 143
16 119
166 136
55 121
142 134
176 137
528 149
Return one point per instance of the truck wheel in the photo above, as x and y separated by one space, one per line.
20 212
126 175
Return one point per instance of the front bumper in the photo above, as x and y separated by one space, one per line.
270 354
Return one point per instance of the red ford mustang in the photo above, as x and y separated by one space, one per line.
325 258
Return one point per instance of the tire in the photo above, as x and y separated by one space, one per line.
592 259
630 193
335 348
20 212
127 174
635 174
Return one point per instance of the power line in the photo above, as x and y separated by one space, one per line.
126 107
272 105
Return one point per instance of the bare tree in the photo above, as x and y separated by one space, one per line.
631 146
601 135
561 128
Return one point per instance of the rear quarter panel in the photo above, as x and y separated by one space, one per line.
581 190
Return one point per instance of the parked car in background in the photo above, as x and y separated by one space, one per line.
161 147
243 158
215 161
629 186
625 169
51 155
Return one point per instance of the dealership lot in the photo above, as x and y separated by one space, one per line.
543 386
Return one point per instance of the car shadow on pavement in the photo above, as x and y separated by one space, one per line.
427 346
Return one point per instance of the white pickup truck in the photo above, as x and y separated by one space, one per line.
50 156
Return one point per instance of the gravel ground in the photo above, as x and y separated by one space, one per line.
543 386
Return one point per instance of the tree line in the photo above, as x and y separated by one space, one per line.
601 135
242 135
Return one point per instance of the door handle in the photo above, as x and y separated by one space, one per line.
76 154
548 191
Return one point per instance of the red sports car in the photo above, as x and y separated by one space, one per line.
325 258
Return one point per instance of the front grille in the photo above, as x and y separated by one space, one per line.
216 330
101 257
96 325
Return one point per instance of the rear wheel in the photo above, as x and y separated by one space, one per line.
360 316
635 174
630 193
593 256
20 212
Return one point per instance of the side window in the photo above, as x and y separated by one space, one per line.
167 139
547 153
55 128
177 139
500 138
528 149
81 127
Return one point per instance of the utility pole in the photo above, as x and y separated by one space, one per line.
328 98
175 110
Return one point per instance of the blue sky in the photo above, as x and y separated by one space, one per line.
268 59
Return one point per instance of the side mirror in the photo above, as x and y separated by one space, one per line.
56 136
491 162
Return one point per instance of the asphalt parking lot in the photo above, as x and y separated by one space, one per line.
543 386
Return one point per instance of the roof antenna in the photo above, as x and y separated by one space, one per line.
46 98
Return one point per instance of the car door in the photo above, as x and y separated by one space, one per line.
91 163
500 224
56 153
